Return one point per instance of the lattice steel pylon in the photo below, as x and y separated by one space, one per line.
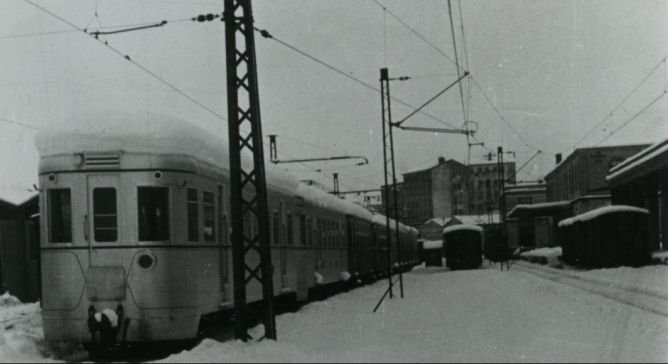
391 198
248 185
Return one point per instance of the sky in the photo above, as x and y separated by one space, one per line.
553 70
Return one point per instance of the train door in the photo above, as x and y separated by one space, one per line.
103 228
105 276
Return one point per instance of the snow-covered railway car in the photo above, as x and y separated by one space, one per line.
611 236
136 230
462 246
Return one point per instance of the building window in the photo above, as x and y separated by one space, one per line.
525 201
303 230
276 228
209 207
290 229
193 216
105 215
153 208
60 215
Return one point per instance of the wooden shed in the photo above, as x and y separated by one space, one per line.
19 245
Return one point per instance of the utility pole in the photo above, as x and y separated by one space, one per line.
336 184
502 196
390 176
248 187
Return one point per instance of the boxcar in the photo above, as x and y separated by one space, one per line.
462 246
611 236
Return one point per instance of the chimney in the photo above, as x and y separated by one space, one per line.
441 160
559 158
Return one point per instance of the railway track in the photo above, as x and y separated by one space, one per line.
648 301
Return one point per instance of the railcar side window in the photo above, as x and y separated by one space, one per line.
310 229
193 215
290 229
105 215
276 228
303 230
209 203
154 220
60 215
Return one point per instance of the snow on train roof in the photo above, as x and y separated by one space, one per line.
381 220
599 212
325 200
462 227
433 244
146 133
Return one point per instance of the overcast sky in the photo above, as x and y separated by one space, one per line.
554 69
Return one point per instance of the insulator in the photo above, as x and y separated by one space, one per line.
201 18
210 17
265 34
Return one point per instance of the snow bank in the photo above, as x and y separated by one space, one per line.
434 244
8 300
462 227
545 256
600 212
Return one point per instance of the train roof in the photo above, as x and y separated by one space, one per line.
381 220
146 133
599 212
323 199
462 227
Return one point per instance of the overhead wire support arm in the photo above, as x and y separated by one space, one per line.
431 100
436 130
199 18
366 161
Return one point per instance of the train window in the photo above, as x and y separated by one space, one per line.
302 229
193 215
290 229
60 215
209 208
276 227
310 229
105 215
153 205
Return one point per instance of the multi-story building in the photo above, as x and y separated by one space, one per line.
527 233
484 186
401 205
436 191
577 185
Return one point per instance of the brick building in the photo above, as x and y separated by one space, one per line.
484 186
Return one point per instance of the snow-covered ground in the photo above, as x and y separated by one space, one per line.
530 313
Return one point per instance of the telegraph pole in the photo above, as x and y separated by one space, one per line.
248 187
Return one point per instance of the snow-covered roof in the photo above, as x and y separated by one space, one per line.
439 221
638 159
478 219
548 207
433 244
16 196
599 212
147 133
381 220
462 227
323 199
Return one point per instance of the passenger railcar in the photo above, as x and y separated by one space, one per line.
462 245
611 236
136 225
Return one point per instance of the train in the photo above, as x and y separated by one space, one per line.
135 231
607 237
463 247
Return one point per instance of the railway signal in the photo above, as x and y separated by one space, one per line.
248 187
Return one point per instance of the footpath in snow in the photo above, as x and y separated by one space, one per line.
465 316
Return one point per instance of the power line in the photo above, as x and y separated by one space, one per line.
634 117
267 35
17 123
127 57
619 105
415 32
501 116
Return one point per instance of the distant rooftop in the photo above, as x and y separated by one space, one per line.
16 196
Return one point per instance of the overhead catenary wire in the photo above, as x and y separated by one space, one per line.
268 35
501 116
415 32
634 117
127 57
619 105
17 123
